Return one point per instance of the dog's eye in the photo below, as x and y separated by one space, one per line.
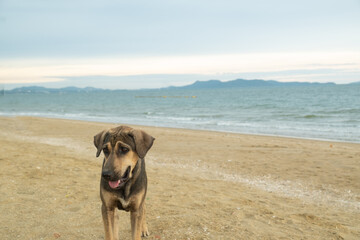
124 150
106 151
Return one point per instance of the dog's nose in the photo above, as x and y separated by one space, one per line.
106 175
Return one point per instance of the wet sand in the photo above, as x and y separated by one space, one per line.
202 184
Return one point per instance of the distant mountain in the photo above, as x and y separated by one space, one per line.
210 84
245 83
36 89
354 83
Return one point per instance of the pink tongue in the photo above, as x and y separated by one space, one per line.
114 184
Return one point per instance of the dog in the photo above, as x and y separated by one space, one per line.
123 183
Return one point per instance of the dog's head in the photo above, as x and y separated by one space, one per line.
122 147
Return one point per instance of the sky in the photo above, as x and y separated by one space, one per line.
117 44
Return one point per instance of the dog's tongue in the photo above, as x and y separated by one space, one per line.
114 184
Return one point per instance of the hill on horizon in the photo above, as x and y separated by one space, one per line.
210 84
246 83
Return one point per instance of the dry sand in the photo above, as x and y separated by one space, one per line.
202 185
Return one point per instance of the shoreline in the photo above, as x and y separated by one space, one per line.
184 128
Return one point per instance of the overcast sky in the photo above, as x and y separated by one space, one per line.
142 44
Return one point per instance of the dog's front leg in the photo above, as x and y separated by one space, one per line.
144 228
116 225
108 214
136 224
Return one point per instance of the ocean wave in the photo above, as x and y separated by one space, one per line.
171 118
341 111
75 116
311 116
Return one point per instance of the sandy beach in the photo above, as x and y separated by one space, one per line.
202 184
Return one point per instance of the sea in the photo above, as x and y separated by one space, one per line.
323 112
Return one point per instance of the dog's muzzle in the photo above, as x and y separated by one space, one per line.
115 182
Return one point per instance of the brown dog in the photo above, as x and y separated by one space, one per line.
123 182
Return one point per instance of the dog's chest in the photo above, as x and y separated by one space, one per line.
122 204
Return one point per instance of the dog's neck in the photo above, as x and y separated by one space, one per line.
131 187
135 175
124 192
137 169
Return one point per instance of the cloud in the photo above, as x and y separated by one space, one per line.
291 65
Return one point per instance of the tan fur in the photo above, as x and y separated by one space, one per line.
122 163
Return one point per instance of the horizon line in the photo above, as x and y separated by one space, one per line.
171 86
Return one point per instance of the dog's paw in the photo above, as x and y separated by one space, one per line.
145 232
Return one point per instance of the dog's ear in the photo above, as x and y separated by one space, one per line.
99 141
143 142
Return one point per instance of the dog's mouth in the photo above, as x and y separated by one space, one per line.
122 180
